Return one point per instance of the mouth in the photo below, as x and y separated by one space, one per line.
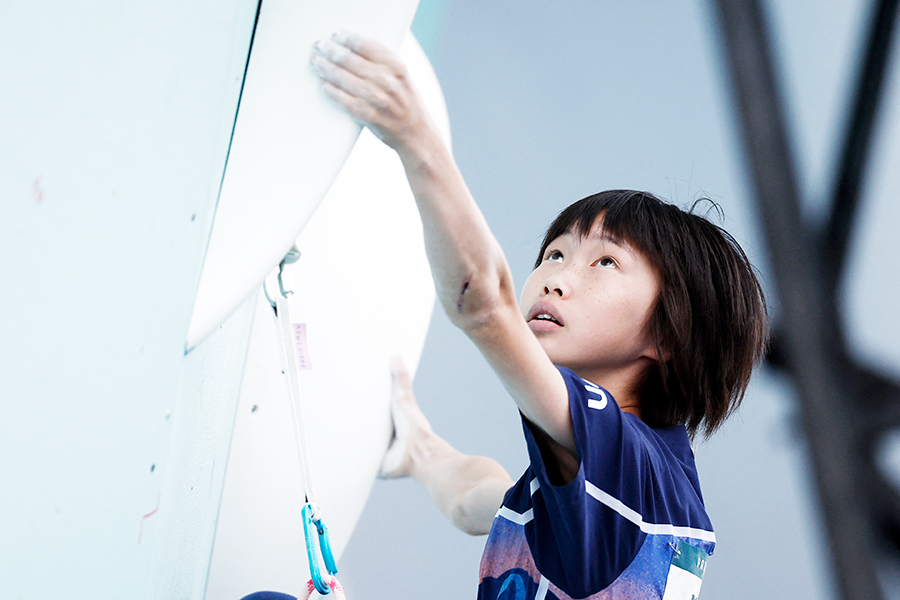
543 316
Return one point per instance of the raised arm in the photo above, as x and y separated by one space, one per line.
472 278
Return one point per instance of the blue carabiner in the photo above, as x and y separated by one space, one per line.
312 555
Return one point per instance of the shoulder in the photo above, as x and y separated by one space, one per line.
625 461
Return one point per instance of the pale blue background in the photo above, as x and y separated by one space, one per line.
551 101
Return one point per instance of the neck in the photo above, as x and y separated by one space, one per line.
623 384
634 409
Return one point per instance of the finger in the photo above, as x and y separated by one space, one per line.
346 59
364 112
402 385
399 371
368 48
394 459
354 107
339 77
392 464
376 97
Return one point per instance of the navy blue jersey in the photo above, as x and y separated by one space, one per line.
618 530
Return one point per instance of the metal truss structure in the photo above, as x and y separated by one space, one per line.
846 405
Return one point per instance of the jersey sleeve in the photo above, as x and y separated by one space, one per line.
579 536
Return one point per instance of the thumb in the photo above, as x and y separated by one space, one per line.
406 417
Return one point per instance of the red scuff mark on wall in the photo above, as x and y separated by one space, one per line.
147 516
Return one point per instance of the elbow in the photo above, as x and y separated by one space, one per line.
476 318
481 301
470 520
473 530
478 503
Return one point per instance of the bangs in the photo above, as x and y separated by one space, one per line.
627 216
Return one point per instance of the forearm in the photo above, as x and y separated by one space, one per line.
474 282
471 274
468 490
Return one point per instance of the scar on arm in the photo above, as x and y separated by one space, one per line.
462 297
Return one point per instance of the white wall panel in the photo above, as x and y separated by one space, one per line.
115 120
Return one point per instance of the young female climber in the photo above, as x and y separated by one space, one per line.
639 327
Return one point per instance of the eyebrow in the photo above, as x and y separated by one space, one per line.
605 236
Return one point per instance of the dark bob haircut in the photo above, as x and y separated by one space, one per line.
710 324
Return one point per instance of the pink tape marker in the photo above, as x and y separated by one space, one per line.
300 347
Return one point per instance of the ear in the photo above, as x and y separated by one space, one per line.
663 353
656 349
657 346
654 354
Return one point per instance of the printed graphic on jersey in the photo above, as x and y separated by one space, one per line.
686 573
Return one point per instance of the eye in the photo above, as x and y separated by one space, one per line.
554 255
607 261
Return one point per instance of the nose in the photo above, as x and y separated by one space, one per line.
556 283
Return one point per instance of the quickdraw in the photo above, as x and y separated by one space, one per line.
310 518
310 512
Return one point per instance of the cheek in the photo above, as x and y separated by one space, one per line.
529 290
618 310
638 309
